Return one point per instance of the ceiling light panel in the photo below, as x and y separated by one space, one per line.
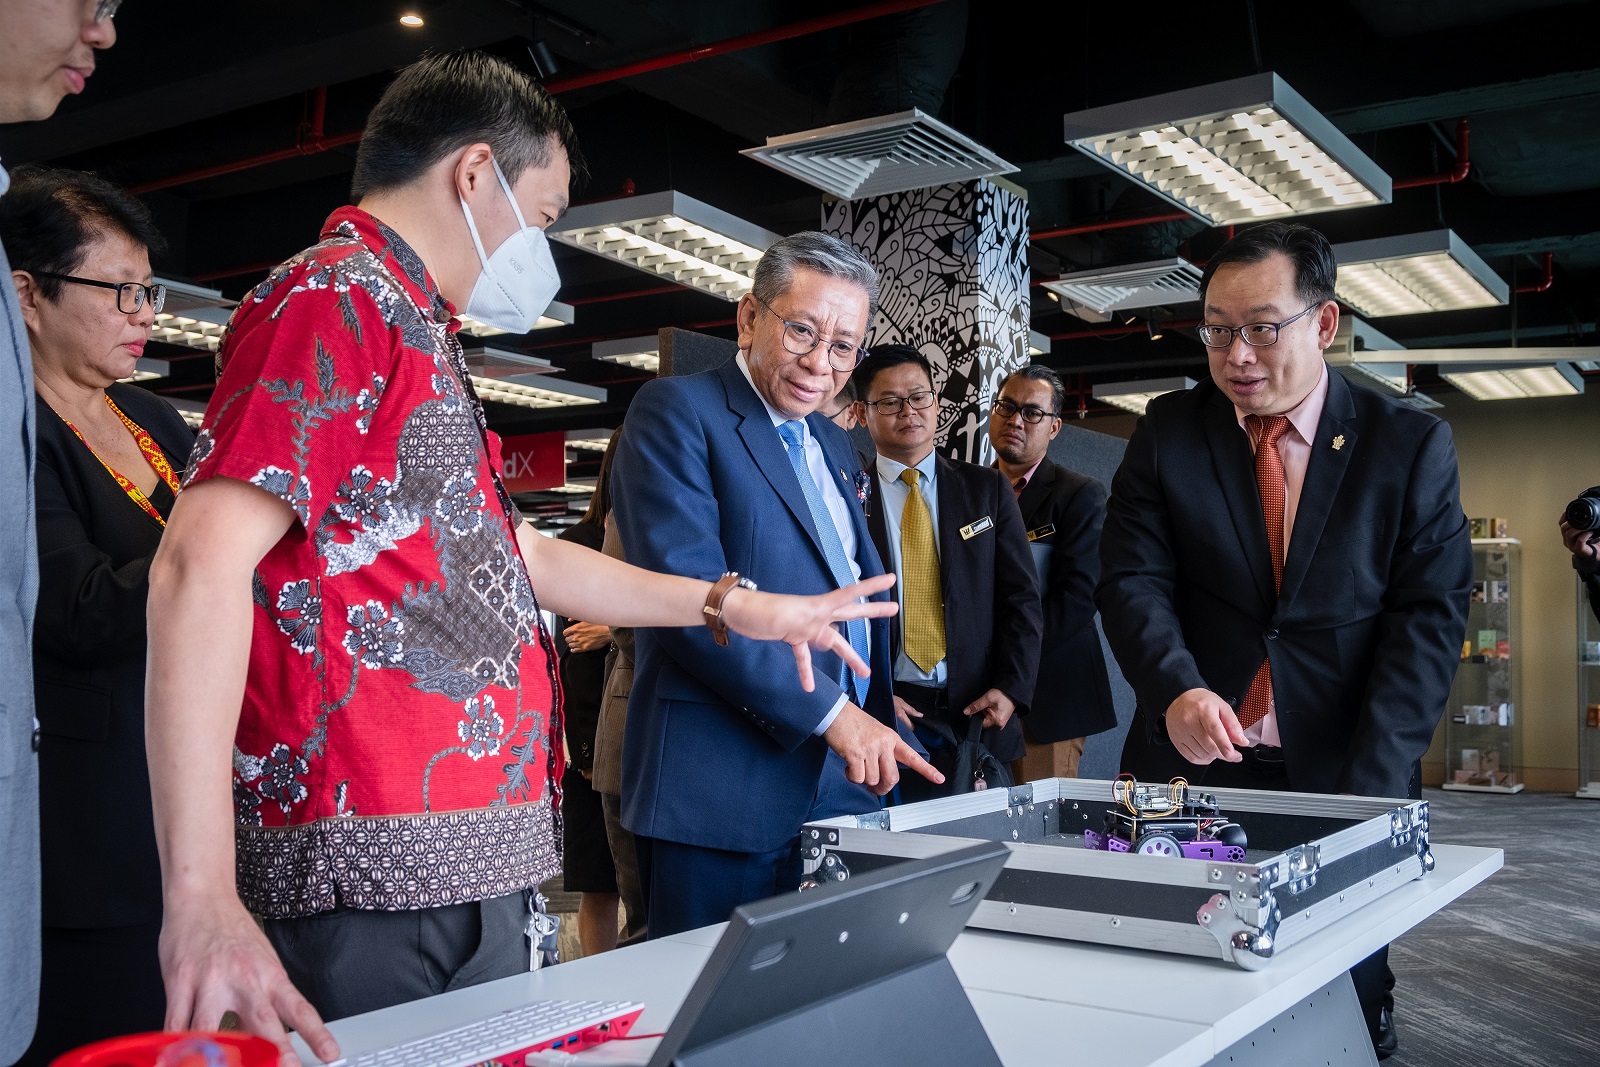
1038 343
537 391
641 353
557 314
1415 273
589 440
878 156
193 316
1135 396
672 236
1136 285
1236 151
1514 381
1485 356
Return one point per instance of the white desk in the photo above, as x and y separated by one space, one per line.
1039 998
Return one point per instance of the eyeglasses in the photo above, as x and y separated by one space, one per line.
1005 410
800 339
106 9
130 295
920 400
1255 334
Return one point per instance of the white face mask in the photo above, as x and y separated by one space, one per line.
518 282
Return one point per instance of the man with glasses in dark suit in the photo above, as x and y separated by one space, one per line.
1285 565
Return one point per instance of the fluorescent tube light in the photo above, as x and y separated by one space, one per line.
1135 285
672 236
1415 273
1514 381
1134 396
557 314
1235 151
642 353
537 391
589 440
879 156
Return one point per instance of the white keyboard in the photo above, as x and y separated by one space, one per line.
544 1023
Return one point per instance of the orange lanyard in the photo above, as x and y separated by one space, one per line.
152 454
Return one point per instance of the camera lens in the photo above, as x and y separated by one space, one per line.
1584 512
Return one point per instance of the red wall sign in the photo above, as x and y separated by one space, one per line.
534 461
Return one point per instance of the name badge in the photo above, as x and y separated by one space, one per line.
1042 532
973 529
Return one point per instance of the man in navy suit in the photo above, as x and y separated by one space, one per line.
736 470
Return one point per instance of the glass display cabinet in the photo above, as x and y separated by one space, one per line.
1483 724
1588 698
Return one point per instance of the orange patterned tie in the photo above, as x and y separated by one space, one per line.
1265 431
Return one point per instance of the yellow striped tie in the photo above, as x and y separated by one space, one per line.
923 626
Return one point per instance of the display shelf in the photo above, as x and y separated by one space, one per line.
1588 698
1483 718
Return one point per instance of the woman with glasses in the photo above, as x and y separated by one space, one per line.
109 457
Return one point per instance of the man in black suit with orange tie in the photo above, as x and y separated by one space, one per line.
1285 565
966 643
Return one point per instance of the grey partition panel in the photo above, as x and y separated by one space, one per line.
1098 455
687 352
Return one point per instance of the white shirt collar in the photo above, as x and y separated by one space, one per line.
5 180
889 470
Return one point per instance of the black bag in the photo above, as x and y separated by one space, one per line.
967 765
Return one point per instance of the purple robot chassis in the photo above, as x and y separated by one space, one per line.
1170 820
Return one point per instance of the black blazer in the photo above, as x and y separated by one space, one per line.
992 620
1366 632
1064 510
97 836
583 674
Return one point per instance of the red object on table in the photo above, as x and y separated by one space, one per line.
167 1050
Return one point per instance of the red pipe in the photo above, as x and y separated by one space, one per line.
234 272
629 295
1111 224
1450 177
319 143
738 44
1545 282
1119 331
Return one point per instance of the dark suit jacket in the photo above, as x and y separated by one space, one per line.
992 620
97 837
1366 632
1073 695
719 750
583 674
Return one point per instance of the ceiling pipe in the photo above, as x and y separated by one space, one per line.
1547 280
1109 224
738 44
313 140
1449 177
1121 331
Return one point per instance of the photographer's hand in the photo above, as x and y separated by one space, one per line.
1581 543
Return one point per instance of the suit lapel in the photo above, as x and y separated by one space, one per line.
1037 491
1324 473
843 468
952 504
766 448
1235 467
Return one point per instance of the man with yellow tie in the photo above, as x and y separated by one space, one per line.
966 643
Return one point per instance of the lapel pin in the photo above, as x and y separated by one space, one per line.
1338 442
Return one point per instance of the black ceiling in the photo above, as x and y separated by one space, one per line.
193 84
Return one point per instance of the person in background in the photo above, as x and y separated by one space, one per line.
1585 548
843 405
1061 511
47 51
1285 565
966 641
353 721
609 732
107 476
586 866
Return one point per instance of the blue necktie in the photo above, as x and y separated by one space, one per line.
793 434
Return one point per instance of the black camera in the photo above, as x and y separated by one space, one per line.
1584 512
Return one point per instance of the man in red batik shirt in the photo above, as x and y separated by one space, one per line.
343 607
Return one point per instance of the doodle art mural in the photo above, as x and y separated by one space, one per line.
954 264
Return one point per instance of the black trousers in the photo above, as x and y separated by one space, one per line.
347 961
1261 768
95 984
